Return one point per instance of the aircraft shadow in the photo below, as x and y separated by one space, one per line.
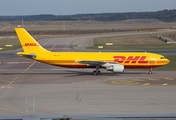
70 73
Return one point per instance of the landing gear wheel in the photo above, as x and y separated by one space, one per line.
99 73
96 72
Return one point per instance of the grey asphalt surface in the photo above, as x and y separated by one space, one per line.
75 91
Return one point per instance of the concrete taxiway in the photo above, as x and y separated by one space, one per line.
75 91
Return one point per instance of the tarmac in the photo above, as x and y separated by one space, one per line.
76 91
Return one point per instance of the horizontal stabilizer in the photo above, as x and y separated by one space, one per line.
30 55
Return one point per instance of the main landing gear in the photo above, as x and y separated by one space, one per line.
150 71
97 72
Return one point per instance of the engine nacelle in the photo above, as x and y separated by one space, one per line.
115 68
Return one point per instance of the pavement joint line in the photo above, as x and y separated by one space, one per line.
42 87
4 114
27 94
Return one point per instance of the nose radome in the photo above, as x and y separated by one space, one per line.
168 61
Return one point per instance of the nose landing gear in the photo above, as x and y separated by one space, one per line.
150 71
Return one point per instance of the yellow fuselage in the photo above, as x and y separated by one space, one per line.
129 60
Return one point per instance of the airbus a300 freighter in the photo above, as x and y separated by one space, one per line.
111 61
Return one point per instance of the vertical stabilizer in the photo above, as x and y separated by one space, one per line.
29 44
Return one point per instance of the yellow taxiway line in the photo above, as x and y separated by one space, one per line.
147 82
14 81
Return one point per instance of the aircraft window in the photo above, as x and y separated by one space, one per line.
162 58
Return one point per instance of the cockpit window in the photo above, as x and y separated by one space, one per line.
162 58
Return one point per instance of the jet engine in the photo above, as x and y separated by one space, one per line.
115 68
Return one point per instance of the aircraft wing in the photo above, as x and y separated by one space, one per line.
94 63
110 66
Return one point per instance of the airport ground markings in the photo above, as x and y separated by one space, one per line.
169 78
5 81
6 87
20 62
23 72
17 95
146 82
46 87
153 79
14 111
4 114
164 84
13 82
18 76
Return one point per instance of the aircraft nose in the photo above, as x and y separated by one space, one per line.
168 61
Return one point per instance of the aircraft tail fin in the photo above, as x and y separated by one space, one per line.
29 44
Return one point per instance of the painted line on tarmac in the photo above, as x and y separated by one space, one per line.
53 47
164 84
10 86
146 82
5 81
20 62
138 80
153 79
169 78
23 72
14 81
57 48
73 69
6 87
12 110
18 76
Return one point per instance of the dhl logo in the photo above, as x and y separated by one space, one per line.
130 59
31 44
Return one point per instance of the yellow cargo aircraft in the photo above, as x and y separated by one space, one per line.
111 61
